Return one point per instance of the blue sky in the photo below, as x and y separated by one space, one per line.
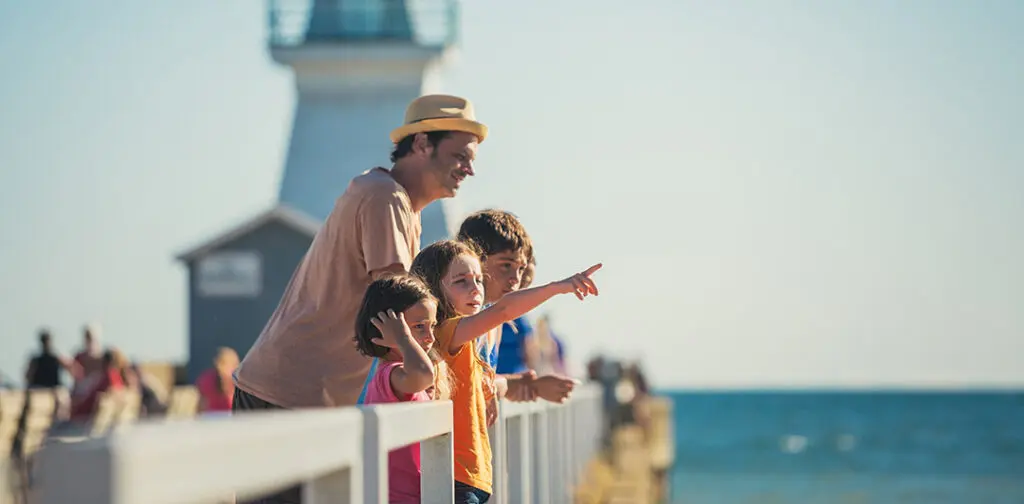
783 193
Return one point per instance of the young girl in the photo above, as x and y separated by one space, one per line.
396 325
452 270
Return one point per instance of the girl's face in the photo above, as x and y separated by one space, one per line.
463 285
421 319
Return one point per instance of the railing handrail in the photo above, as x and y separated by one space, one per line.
339 455
155 462
432 419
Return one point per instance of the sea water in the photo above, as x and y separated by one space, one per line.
849 447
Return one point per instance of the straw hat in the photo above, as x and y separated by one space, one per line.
439 113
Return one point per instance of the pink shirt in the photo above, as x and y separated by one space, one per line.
403 463
216 399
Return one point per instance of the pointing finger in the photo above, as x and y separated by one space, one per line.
592 269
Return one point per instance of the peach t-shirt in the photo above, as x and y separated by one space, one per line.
306 355
469 409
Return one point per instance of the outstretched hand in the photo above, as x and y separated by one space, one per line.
581 284
392 328
554 388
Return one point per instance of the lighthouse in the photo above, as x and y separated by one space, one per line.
357 64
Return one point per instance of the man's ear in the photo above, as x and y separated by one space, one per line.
421 145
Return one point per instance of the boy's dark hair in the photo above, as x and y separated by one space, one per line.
432 264
392 292
496 231
404 146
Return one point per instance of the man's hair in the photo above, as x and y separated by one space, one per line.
404 146
496 231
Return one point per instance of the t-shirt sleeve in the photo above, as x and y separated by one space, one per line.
380 386
445 332
385 223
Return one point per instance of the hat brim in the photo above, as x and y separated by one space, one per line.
440 124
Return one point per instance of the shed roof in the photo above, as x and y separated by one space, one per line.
286 215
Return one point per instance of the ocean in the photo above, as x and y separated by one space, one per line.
849 447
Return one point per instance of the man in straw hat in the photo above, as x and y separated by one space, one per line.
306 356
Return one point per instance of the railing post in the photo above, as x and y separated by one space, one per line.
437 486
541 470
338 487
520 483
556 454
375 460
499 457
385 428
566 438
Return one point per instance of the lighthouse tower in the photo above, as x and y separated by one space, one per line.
357 65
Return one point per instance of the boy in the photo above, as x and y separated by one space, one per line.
507 253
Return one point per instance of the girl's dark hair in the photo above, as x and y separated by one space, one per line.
432 264
393 292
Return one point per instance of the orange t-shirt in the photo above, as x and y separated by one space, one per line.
306 356
469 409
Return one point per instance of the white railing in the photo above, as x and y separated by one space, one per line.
541 448
338 455
393 426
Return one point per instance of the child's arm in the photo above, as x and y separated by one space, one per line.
520 303
416 373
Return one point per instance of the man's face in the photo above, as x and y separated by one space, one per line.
503 273
450 162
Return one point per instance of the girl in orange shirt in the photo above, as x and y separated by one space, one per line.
452 270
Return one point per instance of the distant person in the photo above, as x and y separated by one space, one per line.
305 358
545 351
89 360
45 367
114 375
215 385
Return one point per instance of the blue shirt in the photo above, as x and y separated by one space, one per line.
511 357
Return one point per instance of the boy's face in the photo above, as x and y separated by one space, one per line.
503 273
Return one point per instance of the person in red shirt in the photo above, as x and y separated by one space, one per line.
90 359
114 375
216 387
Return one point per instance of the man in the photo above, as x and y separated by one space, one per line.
306 356
44 369
90 359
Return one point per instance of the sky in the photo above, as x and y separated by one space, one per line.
783 193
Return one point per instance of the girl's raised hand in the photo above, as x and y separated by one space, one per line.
581 284
392 328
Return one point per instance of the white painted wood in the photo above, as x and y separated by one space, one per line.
204 460
390 426
541 467
336 487
339 455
